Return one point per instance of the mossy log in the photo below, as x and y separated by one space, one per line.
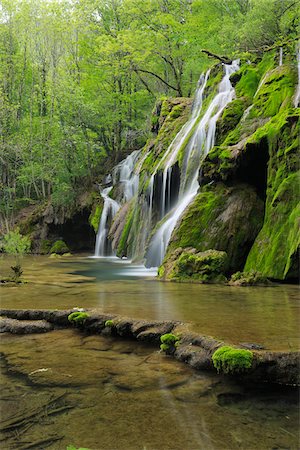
193 349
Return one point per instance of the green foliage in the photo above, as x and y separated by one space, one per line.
78 317
204 266
230 360
16 244
109 323
59 247
164 347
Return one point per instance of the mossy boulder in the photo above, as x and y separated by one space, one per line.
59 247
190 265
251 278
223 218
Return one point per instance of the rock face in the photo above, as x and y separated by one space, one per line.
248 201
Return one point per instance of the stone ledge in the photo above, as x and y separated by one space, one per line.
194 350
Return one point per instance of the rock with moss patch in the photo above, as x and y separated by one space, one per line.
189 265
251 278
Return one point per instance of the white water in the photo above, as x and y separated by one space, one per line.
280 56
172 152
126 175
297 95
199 145
110 209
128 178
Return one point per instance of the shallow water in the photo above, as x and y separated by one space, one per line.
64 388
268 316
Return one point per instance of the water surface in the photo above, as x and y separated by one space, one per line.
268 316
64 388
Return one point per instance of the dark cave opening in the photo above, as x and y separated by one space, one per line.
253 168
75 232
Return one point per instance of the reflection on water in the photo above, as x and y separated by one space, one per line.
66 388
262 315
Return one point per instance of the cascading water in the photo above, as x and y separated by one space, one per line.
128 178
198 146
172 152
110 209
124 174
297 95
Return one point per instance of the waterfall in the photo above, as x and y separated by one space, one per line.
127 177
110 209
124 174
280 56
176 145
297 95
200 143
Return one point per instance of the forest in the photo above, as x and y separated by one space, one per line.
79 79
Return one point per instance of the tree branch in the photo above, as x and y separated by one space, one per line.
223 59
156 76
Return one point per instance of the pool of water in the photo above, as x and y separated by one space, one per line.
64 388
268 316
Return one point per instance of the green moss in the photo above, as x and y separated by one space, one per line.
204 266
251 278
222 218
123 243
78 317
95 217
169 338
169 343
59 247
109 323
164 347
230 360
274 251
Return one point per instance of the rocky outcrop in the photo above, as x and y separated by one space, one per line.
248 201
192 349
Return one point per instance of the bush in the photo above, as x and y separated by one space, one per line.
16 244
59 247
109 323
230 360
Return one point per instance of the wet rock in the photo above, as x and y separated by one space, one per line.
252 346
24 326
153 334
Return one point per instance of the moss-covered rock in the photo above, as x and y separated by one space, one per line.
251 278
223 218
95 217
59 247
189 265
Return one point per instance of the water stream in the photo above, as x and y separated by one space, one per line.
198 146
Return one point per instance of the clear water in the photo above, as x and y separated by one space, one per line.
90 391
268 316
64 387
